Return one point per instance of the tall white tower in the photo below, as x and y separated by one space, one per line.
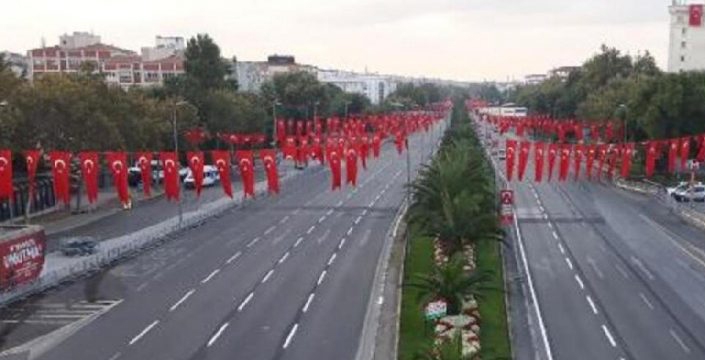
686 49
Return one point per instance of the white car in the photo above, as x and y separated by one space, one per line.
690 193
211 176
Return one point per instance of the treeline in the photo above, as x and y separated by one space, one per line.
623 88
81 112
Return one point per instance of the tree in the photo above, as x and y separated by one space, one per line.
204 64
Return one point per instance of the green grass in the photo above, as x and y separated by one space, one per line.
494 337
412 335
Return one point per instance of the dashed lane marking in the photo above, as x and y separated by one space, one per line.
210 276
215 336
321 277
234 257
308 302
579 281
332 258
283 258
342 242
310 230
270 229
253 242
608 335
646 301
266 277
181 301
679 341
592 304
290 337
244 302
298 241
144 332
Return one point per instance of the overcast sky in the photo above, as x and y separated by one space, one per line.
453 39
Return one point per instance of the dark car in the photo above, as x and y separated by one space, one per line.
78 246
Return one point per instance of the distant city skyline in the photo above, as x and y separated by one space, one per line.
472 41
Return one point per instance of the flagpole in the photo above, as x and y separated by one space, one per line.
176 152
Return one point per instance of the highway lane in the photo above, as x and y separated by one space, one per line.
642 291
173 308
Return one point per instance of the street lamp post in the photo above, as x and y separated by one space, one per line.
274 120
623 110
346 108
175 133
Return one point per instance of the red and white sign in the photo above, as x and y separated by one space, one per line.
695 15
506 201
21 259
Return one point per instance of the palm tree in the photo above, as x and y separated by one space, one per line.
451 349
451 283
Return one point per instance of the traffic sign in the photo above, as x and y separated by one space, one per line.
506 211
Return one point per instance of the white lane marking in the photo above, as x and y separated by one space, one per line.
284 219
142 286
332 258
283 258
358 219
380 300
234 257
254 241
364 212
622 271
555 235
350 231
541 208
646 301
210 276
592 304
310 230
298 241
594 266
608 335
116 356
217 334
643 268
329 212
244 302
340 203
342 242
321 219
570 263
290 336
181 301
679 341
296 211
308 302
550 225
270 229
545 216
580 282
266 277
560 247
321 277
144 332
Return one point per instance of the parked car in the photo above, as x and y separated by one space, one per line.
683 185
690 193
78 246
211 176
135 173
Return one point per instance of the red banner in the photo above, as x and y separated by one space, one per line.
695 15
117 161
565 162
171 165
60 166
524 148
6 174
89 170
552 153
590 160
22 259
245 161
32 160
333 155
627 152
351 165
685 152
577 160
672 154
538 161
144 161
195 163
269 157
510 154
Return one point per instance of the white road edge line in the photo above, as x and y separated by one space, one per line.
289 337
560 247
144 332
181 301
308 302
357 220
244 302
210 276
284 219
608 335
217 335
321 219
555 235
592 304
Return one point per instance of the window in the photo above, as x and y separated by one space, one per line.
682 44
682 58
684 31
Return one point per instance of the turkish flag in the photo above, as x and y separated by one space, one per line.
672 154
60 166
651 153
117 161
269 157
520 132
221 160
309 128
6 174
561 133
602 157
578 154
594 132
376 144
290 127
524 148
334 160
302 151
399 140
552 153
579 131
685 152
609 132
695 12
299 128
144 161
701 149
32 160
316 149
170 162
289 148
351 165
511 154
318 127
565 162
590 160
364 151
245 161
539 155
89 170
195 163
627 152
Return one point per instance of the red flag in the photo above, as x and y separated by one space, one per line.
561 133
144 161
195 136
195 163
701 149
399 141
6 174
302 151
60 170
117 161
672 154
590 160
289 148
602 157
89 170
685 152
578 160
269 157
351 165
524 148
245 161
299 128
609 132
565 162
335 166
32 160
627 152
594 132
221 159
538 161
376 144
579 131
612 161
650 158
171 175
695 15
364 151
552 152
316 149
509 162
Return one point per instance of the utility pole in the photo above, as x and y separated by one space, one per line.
176 151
